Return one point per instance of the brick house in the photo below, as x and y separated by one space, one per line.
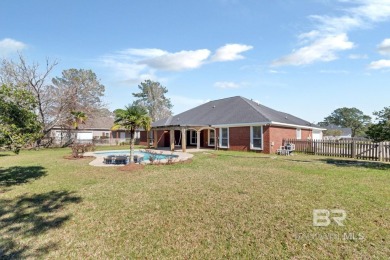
234 123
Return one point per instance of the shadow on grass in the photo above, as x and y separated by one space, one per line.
3 155
354 163
18 175
27 217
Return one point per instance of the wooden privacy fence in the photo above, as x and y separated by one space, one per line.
363 150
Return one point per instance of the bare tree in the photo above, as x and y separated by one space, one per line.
76 90
79 90
152 97
34 79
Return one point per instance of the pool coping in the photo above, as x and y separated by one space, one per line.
98 161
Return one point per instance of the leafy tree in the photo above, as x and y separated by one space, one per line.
18 122
380 131
349 117
152 97
132 118
33 78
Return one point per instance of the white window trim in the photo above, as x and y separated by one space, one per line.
196 137
220 137
299 137
208 143
262 138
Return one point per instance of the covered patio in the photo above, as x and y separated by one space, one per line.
183 137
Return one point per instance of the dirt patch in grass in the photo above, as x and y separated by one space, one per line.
131 167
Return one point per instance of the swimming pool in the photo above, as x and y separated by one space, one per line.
144 155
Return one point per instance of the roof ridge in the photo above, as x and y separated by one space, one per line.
250 102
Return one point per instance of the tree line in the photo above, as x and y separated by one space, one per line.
359 123
32 104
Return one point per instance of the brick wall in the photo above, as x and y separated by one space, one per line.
239 138
266 139
278 133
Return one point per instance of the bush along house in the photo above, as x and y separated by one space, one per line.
234 123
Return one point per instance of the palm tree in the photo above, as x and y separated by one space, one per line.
132 118
77 118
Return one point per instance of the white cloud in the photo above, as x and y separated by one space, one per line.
143 52
384 47
337 24
8 46
230 52
372 10
323 49
358 56
276 72
226 84
178 61
135 65
361 14
184 103
379 64
334 71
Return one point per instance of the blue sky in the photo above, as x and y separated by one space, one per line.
305 57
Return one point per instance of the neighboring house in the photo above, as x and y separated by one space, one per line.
234 123
334 132
95 130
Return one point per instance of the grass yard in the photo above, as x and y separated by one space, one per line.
221 205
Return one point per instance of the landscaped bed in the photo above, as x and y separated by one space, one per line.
221 205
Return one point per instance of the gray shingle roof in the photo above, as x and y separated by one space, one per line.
227 111
345 131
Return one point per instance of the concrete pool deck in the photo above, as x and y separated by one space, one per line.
98 161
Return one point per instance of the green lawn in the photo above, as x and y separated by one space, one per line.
221 205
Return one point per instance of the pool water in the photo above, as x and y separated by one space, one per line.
145 155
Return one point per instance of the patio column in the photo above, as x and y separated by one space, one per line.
172 139
198 139
183 139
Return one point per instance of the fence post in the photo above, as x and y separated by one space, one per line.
353 149
380 155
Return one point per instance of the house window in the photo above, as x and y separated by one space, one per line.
211 137
224 137
193 137
256 137
299 134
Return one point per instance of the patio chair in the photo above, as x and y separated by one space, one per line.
108 159
119 160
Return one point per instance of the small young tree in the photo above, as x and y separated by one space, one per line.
380 131
131 118
78 117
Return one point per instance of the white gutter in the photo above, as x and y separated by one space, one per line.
242 124
298 126
268 123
